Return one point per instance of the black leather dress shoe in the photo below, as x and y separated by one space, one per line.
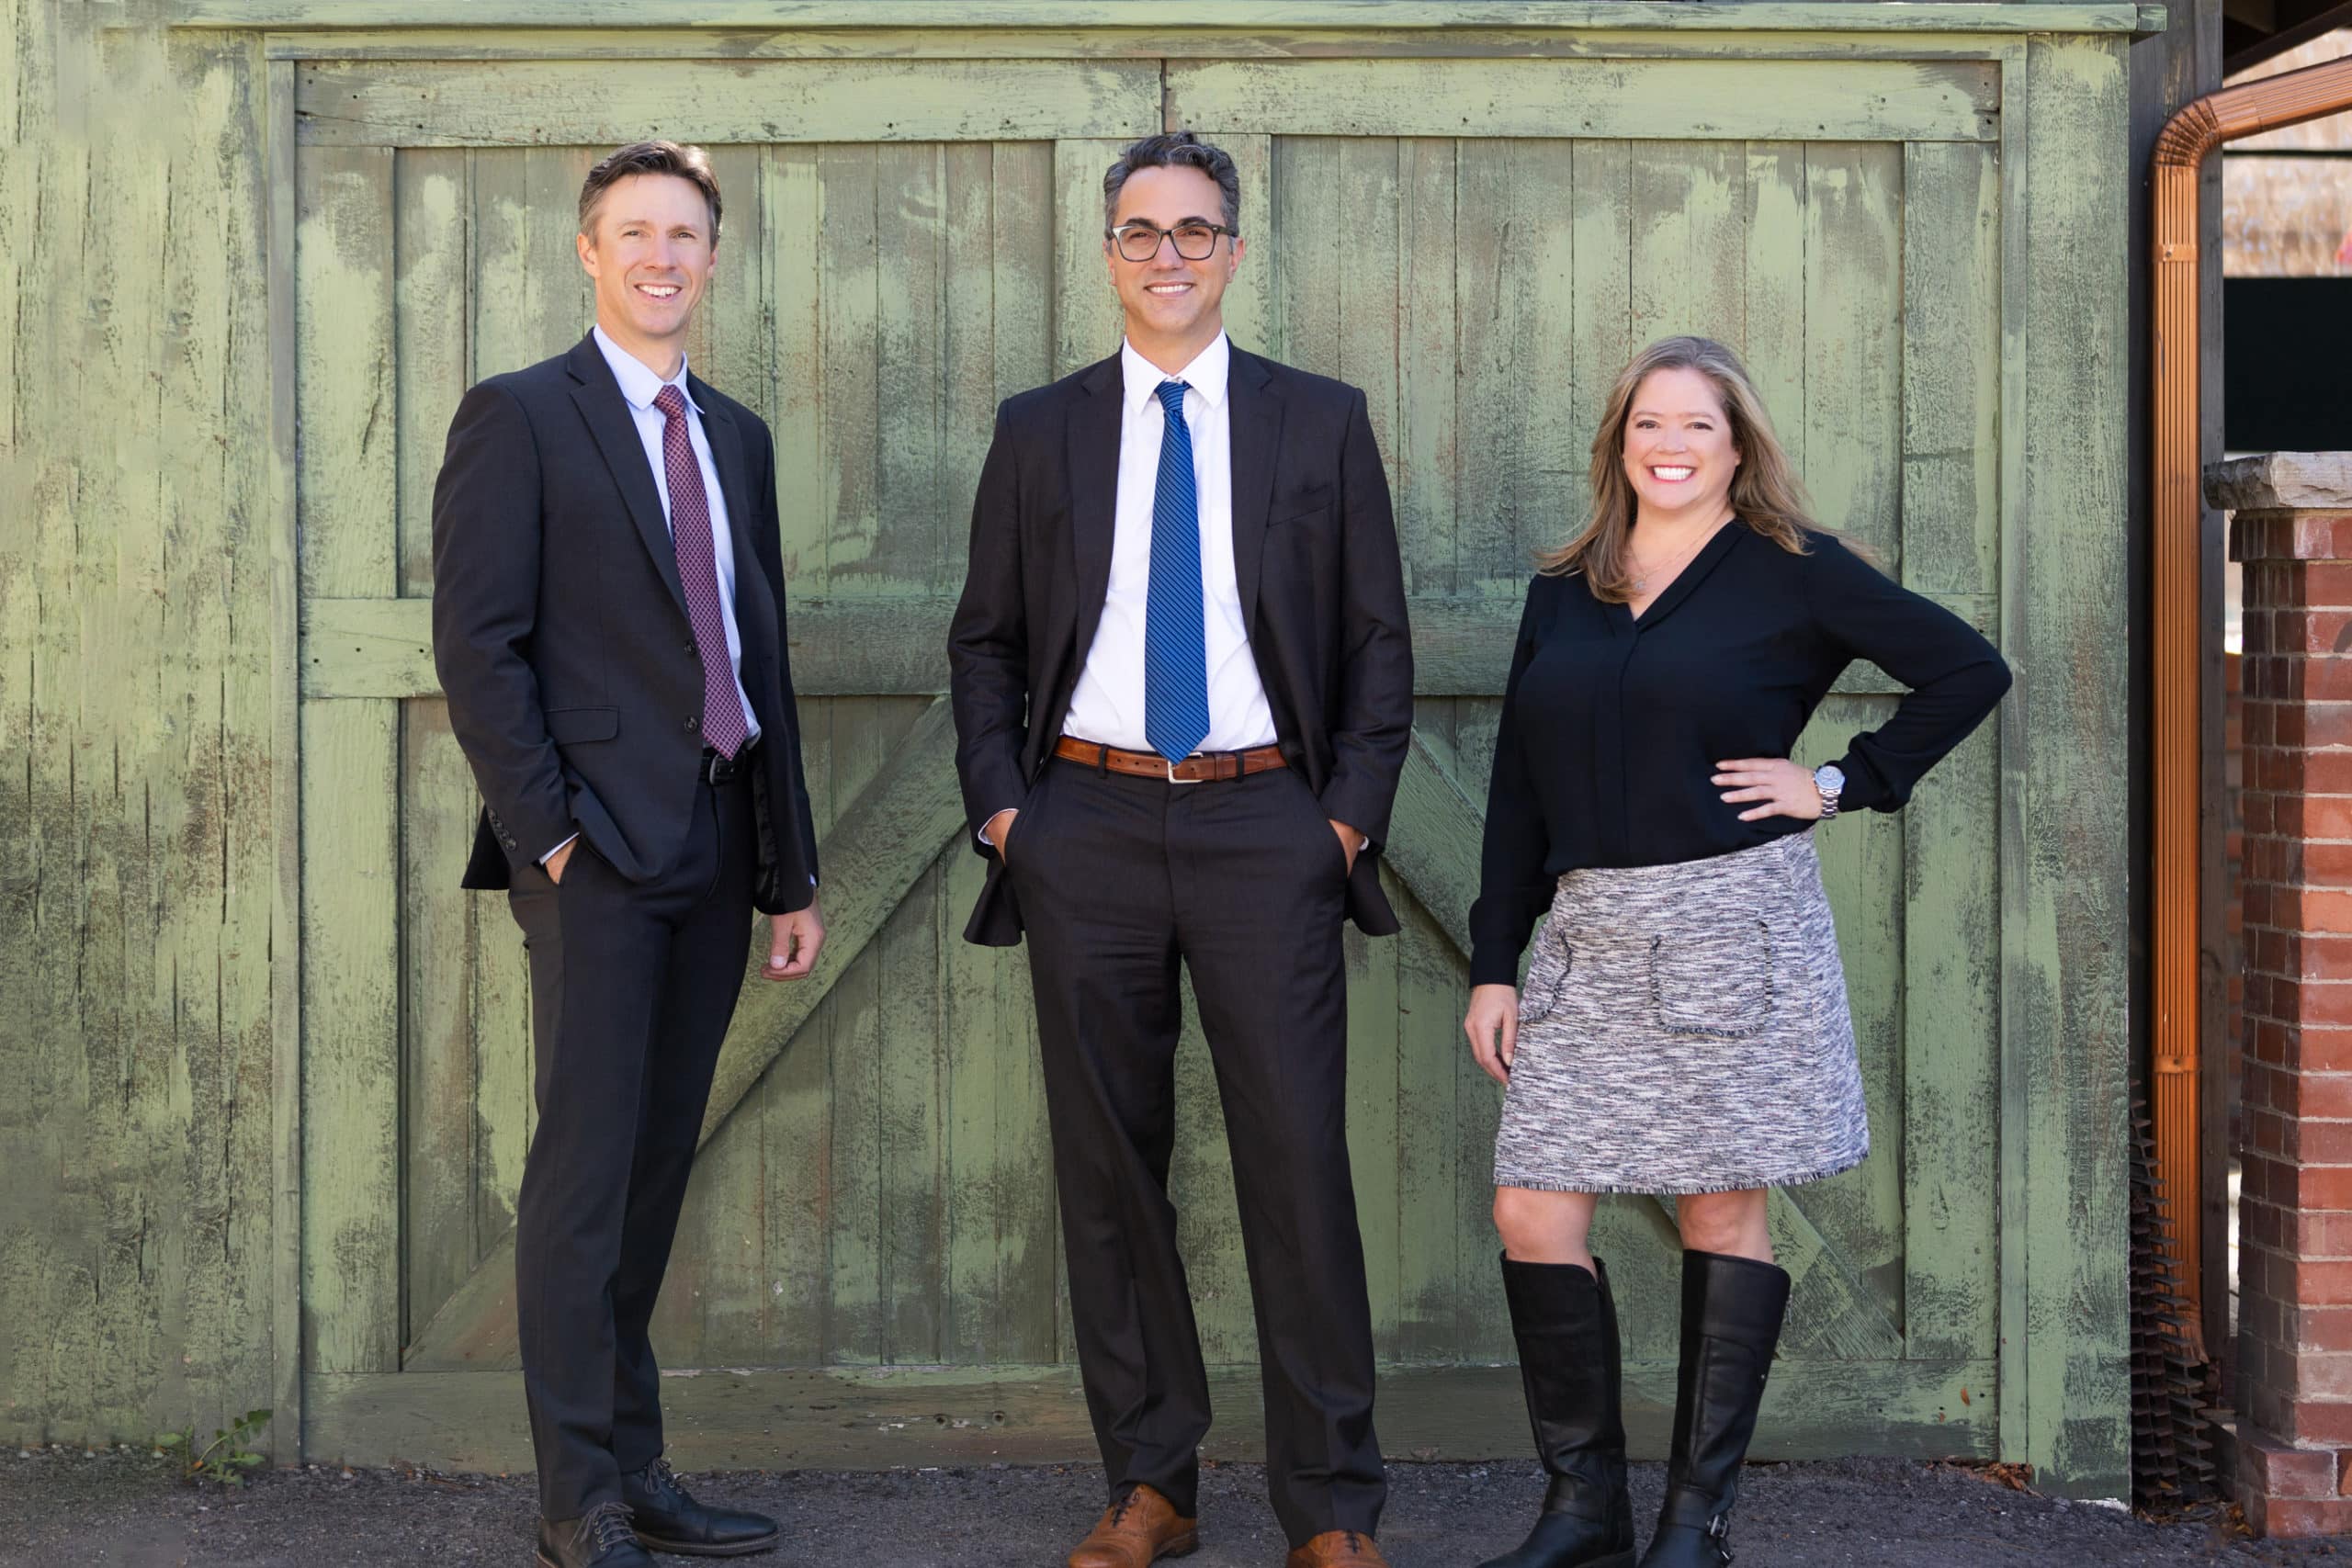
669 1520
601 1537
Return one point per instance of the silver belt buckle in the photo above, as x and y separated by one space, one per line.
1171 771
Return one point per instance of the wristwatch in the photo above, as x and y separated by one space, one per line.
1830 780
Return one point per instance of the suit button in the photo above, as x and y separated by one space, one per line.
688 650
694 724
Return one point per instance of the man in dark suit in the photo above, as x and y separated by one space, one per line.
1183 692
608 623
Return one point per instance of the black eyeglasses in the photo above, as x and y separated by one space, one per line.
1139 241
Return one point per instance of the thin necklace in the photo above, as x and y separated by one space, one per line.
1642 583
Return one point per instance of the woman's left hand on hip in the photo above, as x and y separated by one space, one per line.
1779 788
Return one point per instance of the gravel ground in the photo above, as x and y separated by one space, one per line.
63 1507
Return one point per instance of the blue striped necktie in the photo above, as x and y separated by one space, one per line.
1175 639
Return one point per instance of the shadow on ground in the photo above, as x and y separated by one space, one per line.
62 1506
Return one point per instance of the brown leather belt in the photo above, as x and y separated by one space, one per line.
1199 768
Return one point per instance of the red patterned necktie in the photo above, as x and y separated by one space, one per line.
722 714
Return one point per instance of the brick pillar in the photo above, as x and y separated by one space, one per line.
2293 534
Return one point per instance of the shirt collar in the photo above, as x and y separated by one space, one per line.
1205 375
640 385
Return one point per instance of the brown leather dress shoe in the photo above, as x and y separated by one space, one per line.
1137 1531
1338 1549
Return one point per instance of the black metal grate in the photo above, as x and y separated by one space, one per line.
2174 1390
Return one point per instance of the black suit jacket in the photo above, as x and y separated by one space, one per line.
562 636
1322 593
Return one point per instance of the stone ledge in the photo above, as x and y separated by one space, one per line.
2281 482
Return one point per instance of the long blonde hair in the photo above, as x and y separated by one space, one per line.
1766 493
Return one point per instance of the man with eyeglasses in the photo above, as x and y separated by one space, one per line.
1183 692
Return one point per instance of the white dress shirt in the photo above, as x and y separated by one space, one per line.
1107 703
639 386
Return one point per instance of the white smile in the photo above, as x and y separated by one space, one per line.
657 290
1167 288
1673 476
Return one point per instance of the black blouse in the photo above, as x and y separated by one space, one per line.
1613 725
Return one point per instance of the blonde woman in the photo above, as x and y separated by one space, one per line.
1684 1027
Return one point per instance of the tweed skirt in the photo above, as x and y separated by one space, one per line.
1684 1029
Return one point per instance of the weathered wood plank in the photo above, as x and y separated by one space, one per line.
565 103
2016 120
440 1079
912 330
1433 842
1689 238
792 216
276 489
1203 16
1086 310
1425 452
531 298
1826 39
1892 101
349 480
2064 883
897 646
1366 278
433 222
854 1303
1951 1103
1951 366
1950 500
1304 203
1026 250
432 212
1853 343
351 885
1521 489
351 1157
849 304
1601 300
890 1418
1253 300
795 1120
1772 314
894 1122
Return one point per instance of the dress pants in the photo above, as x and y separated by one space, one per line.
1119 878
632 985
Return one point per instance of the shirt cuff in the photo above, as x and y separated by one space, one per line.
981 833
557 849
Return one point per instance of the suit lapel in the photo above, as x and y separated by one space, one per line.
606 412
1254 417
1093 458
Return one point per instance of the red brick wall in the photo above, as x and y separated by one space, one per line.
2293 1376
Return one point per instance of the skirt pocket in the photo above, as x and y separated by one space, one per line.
1716 982
1547 975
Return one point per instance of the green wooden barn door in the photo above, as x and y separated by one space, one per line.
868 1269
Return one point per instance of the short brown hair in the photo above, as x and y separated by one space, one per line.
1175 150
690 164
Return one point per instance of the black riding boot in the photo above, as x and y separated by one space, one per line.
1566 1327
1731 1321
